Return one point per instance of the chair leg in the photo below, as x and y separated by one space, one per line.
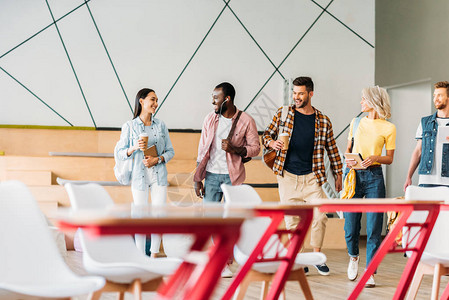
304 283
283 296
121 296
416 282
438 272
95 295
240 293
264 291
137 289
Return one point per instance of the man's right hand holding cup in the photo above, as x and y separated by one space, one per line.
276 145
281 143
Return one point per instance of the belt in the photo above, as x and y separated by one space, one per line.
374 166
370 167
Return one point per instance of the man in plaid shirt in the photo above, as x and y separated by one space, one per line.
300 169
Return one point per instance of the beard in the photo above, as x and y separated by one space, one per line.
304 103
221 109
440 105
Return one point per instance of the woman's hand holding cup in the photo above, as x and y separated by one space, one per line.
143 141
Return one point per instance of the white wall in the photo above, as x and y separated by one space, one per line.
409 103
410 37
151 42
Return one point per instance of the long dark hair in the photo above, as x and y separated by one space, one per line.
142 94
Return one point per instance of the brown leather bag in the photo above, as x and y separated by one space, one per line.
268 157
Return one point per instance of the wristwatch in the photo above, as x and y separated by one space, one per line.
159 160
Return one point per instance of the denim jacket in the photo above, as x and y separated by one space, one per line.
129 136
429 136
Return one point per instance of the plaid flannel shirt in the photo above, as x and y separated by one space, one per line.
324 139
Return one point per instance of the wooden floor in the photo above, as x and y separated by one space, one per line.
334 286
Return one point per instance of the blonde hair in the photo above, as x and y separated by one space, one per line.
379 100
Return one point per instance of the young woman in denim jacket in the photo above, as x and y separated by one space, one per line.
372 134
149 173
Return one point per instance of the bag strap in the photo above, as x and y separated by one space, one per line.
231 132
355 126
284 113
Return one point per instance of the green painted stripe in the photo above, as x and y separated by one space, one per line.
107 53
258 92
47 127
43 29
347 27
71 64
254 40
194 53
282 62
13 78
347 126
305 33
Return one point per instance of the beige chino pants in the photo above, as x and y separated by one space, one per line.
303 188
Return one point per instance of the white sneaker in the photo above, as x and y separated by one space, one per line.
353 268
370 283
226 273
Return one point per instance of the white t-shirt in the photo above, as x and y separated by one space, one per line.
435 175
217 163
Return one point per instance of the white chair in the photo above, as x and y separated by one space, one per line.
30 263
251 232
116 258
435 258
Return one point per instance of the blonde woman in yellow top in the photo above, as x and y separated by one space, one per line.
373 133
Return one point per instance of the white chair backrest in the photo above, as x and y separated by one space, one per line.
240 195
105 249
252 229
28 252
88 196
439 239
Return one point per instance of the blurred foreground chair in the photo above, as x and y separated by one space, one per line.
251 232
31 266
435 258
116 257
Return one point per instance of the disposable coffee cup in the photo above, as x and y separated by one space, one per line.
144 137
284 138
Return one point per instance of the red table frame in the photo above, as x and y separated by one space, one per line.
193 279
276 213
389 244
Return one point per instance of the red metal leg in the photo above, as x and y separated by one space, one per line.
445 295
388 243
276 219
198 281
412 263
381 252
203 286
182 274
296 241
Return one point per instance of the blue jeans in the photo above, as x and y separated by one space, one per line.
212 189
369 184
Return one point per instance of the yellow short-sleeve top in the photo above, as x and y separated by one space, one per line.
372 135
